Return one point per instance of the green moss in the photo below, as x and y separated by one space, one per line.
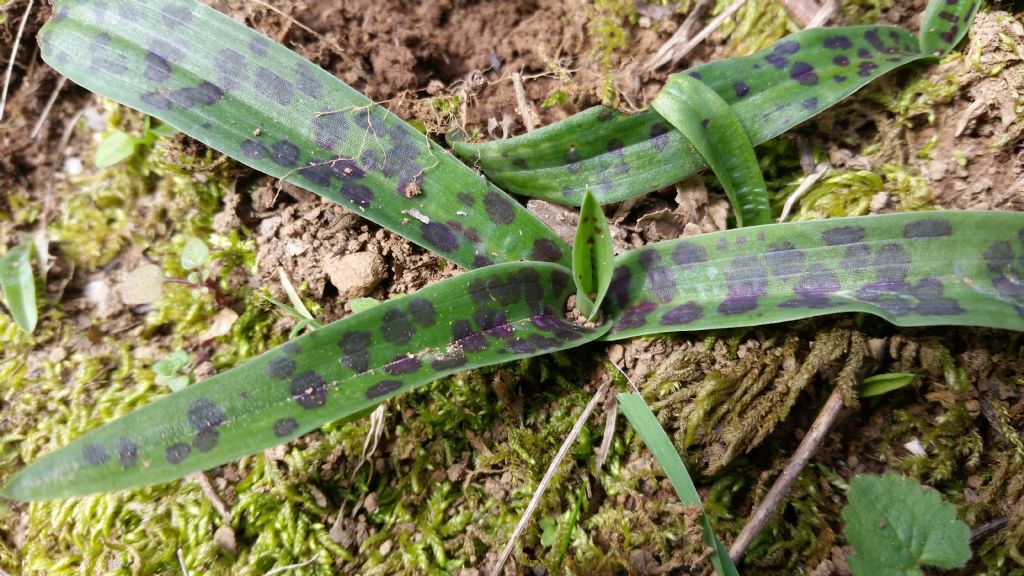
850 193
608 30
757 25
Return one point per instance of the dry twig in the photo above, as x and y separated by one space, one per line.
562 451
822 424
14 54
674 55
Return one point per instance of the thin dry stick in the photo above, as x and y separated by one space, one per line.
14 54
46 109
681 53
213 497
522 105
292 566
682 34
810 180
181 562
801 11
822 424
337 49
566 445
824 15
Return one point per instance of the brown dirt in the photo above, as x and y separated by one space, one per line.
402 52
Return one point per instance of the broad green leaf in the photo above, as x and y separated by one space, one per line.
914 269
592 256
19 287
620 156
254 100
488 316
896 525
884 383
946 23
713 129
116 147
661 447
194 254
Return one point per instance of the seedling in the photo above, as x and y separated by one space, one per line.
274 111
119 145
170 371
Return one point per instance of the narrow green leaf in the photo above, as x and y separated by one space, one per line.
260 103
116 147
658 442
19 287
620 156
592 257
913 269
896 525
884 383
488 316
713 129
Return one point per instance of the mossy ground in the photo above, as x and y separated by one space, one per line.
457 461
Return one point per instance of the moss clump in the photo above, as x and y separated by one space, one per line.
851 193
757 25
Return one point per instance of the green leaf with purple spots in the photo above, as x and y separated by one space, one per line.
592 258
914 269
710 125
619 156
946 23
489 316
254 100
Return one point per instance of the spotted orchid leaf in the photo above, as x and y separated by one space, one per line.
488 316
592 258
710 125
914 269
945 24
619 156
237 91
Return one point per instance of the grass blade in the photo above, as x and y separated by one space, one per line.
260 103
19 287
913 269
658 442
488 316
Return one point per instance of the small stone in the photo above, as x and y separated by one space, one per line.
57 354
385 548
224 538
371 502
221 324
616 353
355 275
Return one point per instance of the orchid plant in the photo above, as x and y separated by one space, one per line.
256 101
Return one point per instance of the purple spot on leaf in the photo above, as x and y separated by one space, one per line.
382 388
285 427
309 389
683 314
95 454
